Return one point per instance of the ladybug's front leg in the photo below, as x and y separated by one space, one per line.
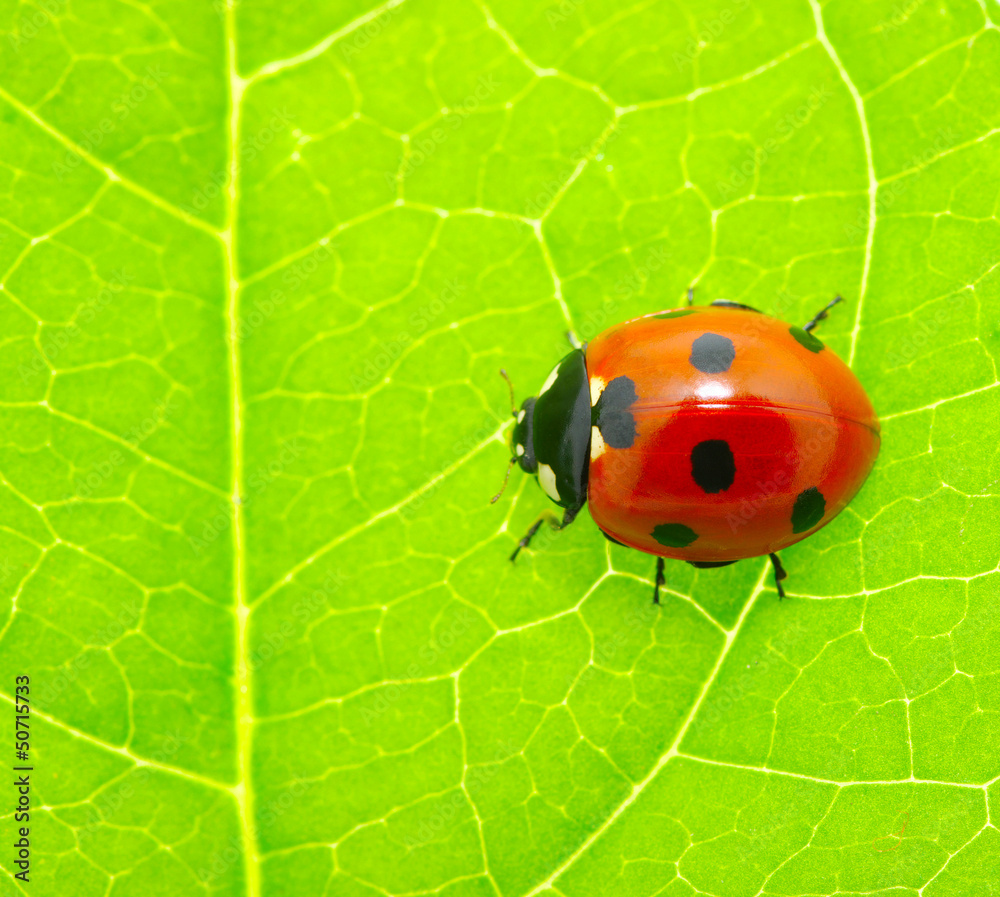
568 518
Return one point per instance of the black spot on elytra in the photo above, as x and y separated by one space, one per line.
611 414
712 354
713 466
728 303
808 510
677 314
708 565
674 535
804 338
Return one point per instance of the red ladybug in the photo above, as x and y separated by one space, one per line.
706 434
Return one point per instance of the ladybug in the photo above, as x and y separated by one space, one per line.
706 434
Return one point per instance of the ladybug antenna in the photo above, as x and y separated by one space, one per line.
510 386
824 314
496 497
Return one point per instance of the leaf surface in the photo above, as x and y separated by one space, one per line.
261 264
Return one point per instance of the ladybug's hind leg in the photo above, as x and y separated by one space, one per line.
823 314
779 574
660 580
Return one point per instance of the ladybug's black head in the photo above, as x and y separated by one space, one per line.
521 441
551 438
521 444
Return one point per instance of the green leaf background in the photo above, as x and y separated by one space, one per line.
279 251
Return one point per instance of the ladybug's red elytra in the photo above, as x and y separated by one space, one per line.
708 434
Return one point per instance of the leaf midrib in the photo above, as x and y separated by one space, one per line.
243 790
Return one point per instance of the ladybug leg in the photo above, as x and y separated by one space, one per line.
526 539
573 340
823 314
567 519
690 295
779 574
660 580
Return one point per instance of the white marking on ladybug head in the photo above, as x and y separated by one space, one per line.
597 446
596 388
519 449
547 479
550 379
520 416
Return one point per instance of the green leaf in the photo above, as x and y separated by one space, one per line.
261 264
